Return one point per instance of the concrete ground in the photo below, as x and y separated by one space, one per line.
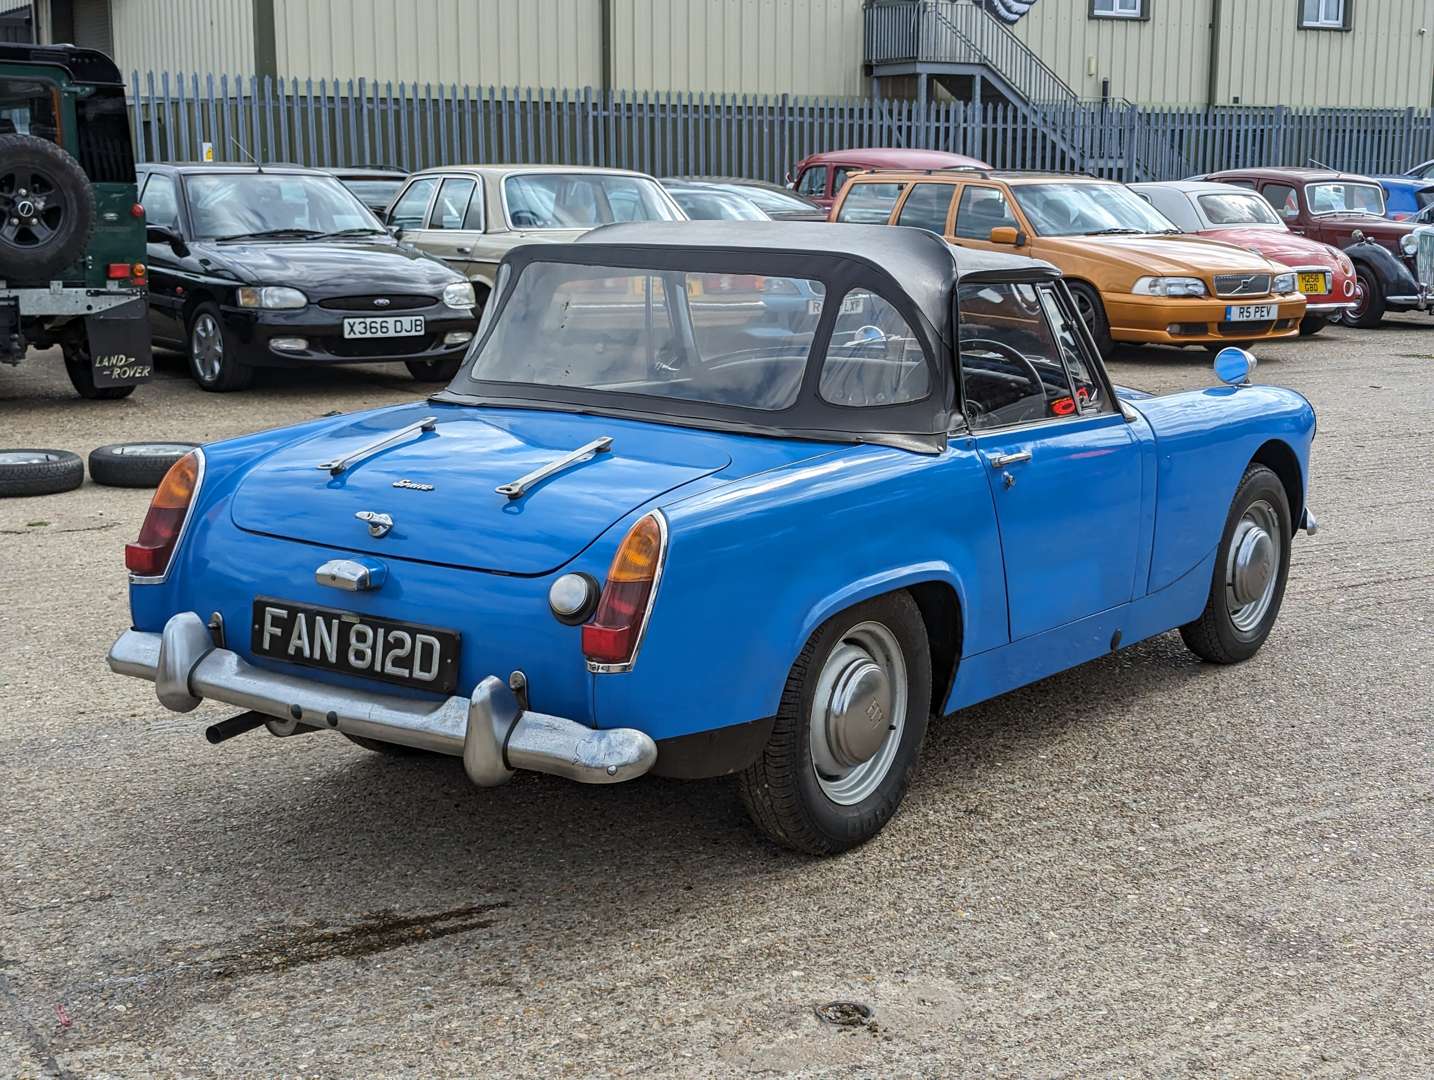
1146 867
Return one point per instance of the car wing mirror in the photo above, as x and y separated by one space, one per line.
1233 366
1005 234
163 234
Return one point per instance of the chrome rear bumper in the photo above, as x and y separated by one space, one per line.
490 731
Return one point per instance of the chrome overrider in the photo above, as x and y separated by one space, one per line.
490 730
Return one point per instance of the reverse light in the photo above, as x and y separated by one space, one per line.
159 535
271 296
1169 286
611 639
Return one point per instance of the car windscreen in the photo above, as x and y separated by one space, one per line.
775 202
1088 210
1345 198
715 206
374 192
738 340
582 200
1238 209
240 205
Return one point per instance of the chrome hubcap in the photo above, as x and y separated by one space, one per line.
206 347
1253 565
858 713
27 457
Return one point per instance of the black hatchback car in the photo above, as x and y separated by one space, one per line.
264 266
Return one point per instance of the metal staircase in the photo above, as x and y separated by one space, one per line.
959 41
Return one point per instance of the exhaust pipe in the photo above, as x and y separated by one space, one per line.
235 725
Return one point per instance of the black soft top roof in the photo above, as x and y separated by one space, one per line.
920 264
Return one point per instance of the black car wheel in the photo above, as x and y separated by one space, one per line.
1312 324
848 730
39 472
141 465
1092 313
79 366
434 370
47 209
1368 310
211 363
1251 567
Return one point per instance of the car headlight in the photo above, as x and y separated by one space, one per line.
1169 286
1283 283
459 295
272 296
1409 243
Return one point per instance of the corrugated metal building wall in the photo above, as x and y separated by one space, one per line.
739 46
743 46
1264 58
202 36
1384 62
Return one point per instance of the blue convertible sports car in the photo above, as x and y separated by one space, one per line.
643 532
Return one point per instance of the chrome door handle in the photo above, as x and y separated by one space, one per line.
1000 461
464 250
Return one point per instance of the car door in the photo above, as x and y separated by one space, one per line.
1285 199
447 234
981 208
160 199
408 216
1064 469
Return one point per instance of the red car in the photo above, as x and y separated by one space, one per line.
1240 217
1346 211
820 176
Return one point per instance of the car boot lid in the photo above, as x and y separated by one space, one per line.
421 483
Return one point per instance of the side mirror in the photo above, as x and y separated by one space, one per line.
163 234
1234 366
1005 234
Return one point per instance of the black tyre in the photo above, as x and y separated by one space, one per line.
848 730
80 369
1369 303
212 363
136 465
1092 311
1311 325
1251 568
378 746
47 209
39 472
434 370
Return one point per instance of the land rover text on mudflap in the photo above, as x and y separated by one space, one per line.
71 228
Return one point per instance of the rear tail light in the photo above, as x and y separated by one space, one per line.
116 271
136 211
149 555
611 639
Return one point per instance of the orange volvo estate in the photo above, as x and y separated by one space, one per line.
1134 275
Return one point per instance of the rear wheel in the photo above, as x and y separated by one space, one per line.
211 361
848 730
1251 567
1368 310
1092 312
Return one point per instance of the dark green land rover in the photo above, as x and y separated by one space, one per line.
71 228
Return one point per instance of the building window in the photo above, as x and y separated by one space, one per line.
1119 9
1325 14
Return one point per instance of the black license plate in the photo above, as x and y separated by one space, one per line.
404 653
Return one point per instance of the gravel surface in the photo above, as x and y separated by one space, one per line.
1146 867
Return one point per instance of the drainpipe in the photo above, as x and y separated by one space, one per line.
605 15
1213 83
266 49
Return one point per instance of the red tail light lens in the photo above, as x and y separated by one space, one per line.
613 635
149 555
115 271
